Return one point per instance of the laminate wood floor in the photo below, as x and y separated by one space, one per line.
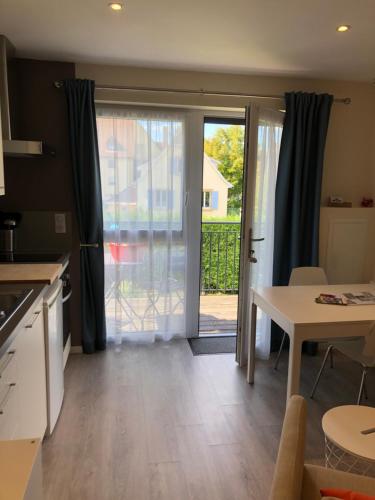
154 422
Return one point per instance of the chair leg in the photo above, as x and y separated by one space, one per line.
280 351
330 347
331 358
361 387
365 390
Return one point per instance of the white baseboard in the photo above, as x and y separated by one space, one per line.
76 349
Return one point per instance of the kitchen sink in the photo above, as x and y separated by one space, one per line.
10 302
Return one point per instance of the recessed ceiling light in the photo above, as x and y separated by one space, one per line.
115 6
343 27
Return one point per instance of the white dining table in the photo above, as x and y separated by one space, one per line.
294 309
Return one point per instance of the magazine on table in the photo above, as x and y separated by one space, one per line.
347 299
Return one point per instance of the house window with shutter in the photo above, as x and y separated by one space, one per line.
215 200
206 199
160 199
210 199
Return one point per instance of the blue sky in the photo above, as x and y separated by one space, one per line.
210 129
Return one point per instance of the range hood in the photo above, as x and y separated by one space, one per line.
12 147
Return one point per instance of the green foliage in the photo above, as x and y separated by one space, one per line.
227 147
236 217
220 258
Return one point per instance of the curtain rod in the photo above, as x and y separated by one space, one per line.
59 84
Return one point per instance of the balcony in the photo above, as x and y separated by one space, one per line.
136 303
220 261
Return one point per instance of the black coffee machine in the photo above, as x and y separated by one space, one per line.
8 224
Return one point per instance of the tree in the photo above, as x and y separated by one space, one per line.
227 147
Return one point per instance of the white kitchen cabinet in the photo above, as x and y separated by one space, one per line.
31 371
9 412
23 412
9 401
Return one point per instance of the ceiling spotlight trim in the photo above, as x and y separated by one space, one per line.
343 28
116 6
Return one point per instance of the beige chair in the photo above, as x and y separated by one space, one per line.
360 350
295 480
302 276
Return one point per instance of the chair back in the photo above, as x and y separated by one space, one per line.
369 345
287 479
302 276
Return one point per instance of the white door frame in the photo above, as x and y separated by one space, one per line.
253 112
195 116
194 158
252 117
194 183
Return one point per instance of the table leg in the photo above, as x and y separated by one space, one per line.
251 351
294 367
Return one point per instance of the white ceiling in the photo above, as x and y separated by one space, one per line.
291 37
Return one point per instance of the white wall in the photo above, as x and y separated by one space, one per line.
347 244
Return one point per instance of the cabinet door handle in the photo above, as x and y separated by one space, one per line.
8 358
6 397
35 318
67 297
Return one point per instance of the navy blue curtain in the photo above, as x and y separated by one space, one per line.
298 186
88 197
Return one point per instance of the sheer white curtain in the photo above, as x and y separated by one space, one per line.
269 138
142 161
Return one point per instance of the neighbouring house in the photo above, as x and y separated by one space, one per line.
127 174
215 189
131 190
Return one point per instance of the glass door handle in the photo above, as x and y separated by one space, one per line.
252 259
251 251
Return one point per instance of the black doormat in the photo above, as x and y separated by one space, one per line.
213 345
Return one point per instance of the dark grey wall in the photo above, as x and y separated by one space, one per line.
45 184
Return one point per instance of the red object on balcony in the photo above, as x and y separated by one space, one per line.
130 253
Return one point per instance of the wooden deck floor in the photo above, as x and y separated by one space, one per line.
218 314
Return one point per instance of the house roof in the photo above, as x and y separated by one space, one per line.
209 162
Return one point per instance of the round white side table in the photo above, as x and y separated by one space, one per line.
346 446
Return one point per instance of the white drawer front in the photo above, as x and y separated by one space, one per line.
8 364
9 410
23 404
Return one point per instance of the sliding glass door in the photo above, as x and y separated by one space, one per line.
143 170
152 181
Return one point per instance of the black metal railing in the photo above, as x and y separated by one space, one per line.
220 257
